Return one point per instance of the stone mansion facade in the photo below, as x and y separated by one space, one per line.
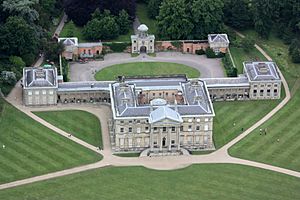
156 113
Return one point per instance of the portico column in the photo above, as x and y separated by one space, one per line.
178 137
160 138
169 139
151 138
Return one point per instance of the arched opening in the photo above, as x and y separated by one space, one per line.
143 49
98 52
164 142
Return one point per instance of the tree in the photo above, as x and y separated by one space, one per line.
153 8
103 26
247 44
17 62
53 50
80 11
238 13
173 21
263 14
18 38
124 22
207 16
92 30
22 8
294 51
109 28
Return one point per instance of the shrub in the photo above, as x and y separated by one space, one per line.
294 51
200 52
247 44
176 44
28 59
17 62
211 54
117 46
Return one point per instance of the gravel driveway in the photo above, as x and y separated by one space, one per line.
207 67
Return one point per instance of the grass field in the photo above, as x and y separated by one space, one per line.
141 13
31 149
145 68
239 56
284 125
81 124
241 113
207 181
76 31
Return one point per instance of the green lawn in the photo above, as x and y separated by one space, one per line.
145 68
141 13
76 31
283 125
124 38
279 53
243 113
207 181
81 124
239 56
265 148
32 149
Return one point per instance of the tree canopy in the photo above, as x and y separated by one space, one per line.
153 8
80 11
189 19
238 13
174 21
17 37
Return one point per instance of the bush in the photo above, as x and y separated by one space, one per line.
176 44
28 59
294 51
247 44
231 71
211 54
117 47
200 52
17 62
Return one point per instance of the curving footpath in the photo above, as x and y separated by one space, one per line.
160 163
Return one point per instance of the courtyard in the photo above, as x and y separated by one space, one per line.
206 67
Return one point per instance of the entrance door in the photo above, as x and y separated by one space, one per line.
143 49
164 142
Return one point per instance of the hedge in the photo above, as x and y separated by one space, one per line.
117 46
200 52
65 66
231 71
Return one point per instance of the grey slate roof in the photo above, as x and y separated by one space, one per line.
164 112
89 45
261 71
241 81
84 86
124 101
39 77
218 38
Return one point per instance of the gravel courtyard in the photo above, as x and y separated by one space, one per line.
207 67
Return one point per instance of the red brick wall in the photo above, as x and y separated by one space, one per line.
192 47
